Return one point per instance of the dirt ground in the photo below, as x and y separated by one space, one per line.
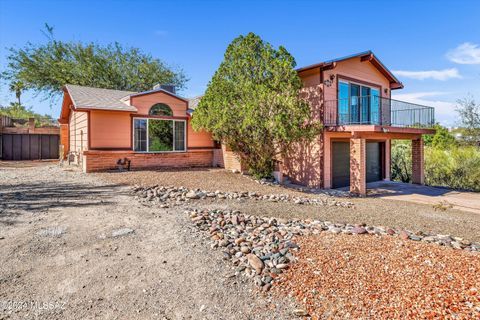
372 211
75 247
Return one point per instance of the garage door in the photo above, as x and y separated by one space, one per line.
374 161
29 146
340 164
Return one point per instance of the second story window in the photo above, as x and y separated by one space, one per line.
160 109
358 104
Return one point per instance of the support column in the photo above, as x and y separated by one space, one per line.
358 164
418 175
388 157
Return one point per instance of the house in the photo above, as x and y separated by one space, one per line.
351 96
101 127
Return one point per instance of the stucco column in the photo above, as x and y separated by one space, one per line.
358 183
388 157
418 175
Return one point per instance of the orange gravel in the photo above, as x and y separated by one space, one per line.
371 277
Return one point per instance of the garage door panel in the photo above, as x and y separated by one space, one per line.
340 164
374 161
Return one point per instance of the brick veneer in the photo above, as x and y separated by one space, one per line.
107 160
358 166
230 160
418 175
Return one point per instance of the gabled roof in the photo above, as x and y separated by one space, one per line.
364 56
136 94
99 99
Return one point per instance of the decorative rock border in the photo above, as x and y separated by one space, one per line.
261 248
168 196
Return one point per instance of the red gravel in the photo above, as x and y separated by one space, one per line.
370 277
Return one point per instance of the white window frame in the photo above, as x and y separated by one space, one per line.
148 138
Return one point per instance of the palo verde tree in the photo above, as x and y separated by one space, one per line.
252 104
46 67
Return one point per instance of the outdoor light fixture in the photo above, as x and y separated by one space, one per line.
385 90
329 82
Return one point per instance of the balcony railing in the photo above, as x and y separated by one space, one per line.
374 110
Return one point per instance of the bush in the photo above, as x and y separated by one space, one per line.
456 167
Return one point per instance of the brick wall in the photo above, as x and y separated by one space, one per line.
358 166
218 158
107 160
230 160
418 175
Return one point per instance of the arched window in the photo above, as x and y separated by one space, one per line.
160 109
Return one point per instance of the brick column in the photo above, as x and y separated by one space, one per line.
388 157
358 182
418 175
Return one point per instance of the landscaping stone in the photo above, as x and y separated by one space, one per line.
261 248
177 195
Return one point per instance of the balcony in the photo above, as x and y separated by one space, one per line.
374 110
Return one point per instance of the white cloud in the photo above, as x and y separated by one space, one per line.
444 111
466 53
430 74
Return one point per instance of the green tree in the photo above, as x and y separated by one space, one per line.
47 67
441 139
18 111
469 112
252 104
401 158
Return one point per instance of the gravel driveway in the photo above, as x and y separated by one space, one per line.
74 247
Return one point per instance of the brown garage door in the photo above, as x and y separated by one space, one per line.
340 164
374 161
29 146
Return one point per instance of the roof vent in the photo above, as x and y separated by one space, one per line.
166 87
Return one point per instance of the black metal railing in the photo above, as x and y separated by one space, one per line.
374 110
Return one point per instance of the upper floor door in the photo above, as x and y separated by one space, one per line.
357 103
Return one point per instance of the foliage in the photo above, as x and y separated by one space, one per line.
401 161
441 139
18 111
469 112
252 104
456 167
47 67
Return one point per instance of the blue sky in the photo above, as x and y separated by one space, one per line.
432 46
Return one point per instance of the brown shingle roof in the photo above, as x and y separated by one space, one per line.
101 99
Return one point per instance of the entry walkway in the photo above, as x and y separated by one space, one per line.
461 200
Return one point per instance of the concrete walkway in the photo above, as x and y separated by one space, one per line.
461 200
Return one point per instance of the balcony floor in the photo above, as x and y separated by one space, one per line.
377 128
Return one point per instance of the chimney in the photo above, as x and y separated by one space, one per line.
166 87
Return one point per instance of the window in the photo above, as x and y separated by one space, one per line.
140 134
158 135
160 109
358 104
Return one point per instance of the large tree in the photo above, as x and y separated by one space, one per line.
47 67
469 112
252 104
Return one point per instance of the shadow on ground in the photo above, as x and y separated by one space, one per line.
37 197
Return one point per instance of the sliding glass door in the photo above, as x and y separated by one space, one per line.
358 104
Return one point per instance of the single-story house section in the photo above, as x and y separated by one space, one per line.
102 127
351 96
